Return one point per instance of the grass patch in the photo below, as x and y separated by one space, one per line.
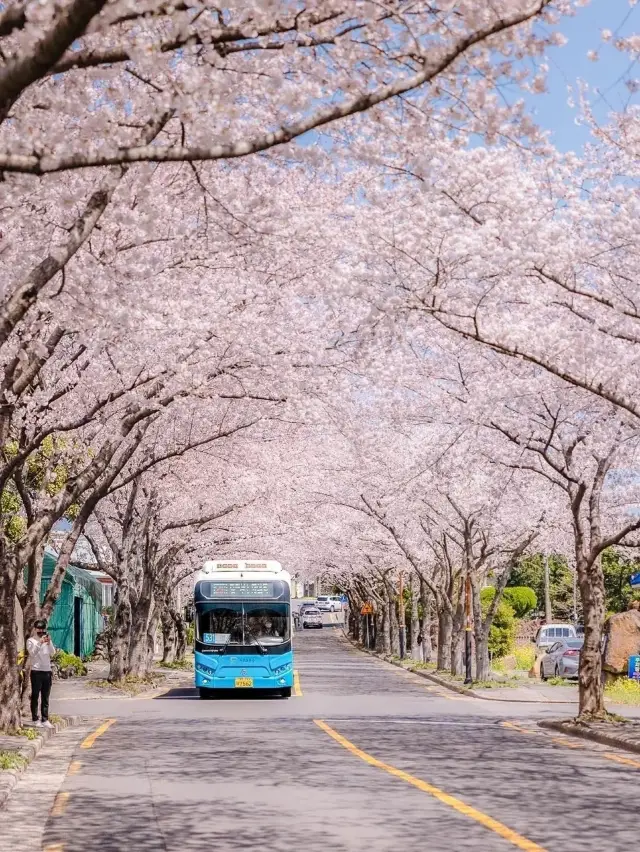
130 684
623 691
559 681
29 733
55 719
12 760
511 683
424 666
180 665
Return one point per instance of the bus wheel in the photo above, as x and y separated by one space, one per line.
286 692
205 693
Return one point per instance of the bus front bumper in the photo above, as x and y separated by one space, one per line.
244 681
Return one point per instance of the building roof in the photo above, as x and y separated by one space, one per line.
83 578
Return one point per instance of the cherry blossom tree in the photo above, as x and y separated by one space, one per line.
148 547
585 449
266 75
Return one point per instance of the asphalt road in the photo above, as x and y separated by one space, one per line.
367 758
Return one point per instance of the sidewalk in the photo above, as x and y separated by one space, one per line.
537 692
530 692
85 688
25 750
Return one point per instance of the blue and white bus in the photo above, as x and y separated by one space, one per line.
243 627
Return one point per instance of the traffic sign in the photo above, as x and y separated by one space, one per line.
366 609
634 581
634 667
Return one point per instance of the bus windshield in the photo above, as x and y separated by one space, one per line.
244 624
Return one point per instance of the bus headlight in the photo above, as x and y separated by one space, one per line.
282 669
205 670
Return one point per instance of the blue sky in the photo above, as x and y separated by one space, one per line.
570 63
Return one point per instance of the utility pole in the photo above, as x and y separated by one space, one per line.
401 619
468 627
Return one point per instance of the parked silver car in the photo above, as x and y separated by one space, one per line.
562 659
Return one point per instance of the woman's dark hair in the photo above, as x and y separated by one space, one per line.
40 624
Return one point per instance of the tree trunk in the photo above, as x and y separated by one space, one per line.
590 685
482 655
169 642
139 640
383 643
425 622
548 615
392 622
9 674
416 649
481 630
152 632
121 632
181 638
445 630
457 640
181 634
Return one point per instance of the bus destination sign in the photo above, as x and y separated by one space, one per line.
239 590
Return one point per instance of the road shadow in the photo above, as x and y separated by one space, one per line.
188 693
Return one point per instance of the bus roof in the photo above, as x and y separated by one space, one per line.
220 566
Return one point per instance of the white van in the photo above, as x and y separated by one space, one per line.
549 634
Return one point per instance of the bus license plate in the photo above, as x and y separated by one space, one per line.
244 681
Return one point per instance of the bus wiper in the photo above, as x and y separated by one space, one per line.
224 647
263 650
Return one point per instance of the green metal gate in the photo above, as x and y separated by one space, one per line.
76 619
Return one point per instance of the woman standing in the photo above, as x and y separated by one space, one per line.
40 649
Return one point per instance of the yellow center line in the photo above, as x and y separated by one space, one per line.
457 804
54 847
90 740
60 804
74 767
566 743
297 689
620 759
513 727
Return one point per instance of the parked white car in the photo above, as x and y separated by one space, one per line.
311 617
549 634
329 603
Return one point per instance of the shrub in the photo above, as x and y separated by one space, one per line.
623 691
69 664
522 599
503 629
190 634
525 656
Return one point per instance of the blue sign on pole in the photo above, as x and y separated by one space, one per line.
634 667
634 580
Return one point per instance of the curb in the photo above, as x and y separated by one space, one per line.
585 733
10 777
461 690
